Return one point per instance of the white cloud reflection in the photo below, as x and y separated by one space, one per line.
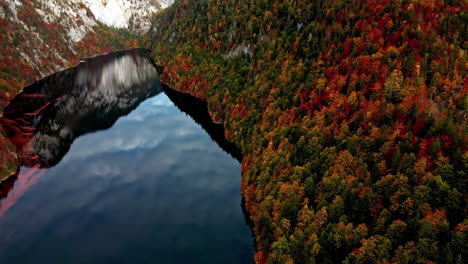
145 128
155 179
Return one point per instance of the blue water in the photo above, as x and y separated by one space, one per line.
153 188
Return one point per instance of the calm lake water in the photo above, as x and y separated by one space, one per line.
114 172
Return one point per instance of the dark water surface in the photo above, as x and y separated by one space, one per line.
113 172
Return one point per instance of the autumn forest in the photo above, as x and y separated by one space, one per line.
351 117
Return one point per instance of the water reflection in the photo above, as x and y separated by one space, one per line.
47 116
153 188
197 109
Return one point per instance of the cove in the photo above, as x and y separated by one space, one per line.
116 167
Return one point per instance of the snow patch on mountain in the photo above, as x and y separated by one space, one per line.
132 14
165 3
13 7
112 12
77 34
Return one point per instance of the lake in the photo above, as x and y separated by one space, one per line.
119 168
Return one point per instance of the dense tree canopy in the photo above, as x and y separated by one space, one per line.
351 116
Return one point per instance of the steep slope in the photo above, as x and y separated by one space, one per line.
41 37
351 116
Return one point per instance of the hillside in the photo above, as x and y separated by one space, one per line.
351 117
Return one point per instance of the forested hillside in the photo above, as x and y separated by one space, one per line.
351 117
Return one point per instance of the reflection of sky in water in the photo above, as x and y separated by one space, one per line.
152 189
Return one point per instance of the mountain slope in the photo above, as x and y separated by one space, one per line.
35 31
351 116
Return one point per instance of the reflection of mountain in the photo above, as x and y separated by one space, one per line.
197 109
45 119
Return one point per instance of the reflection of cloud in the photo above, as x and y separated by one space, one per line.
160 101
157 181
156 105
106 170
185 162
155 139
145 128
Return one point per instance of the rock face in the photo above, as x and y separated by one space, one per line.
44 34
132 14
44 30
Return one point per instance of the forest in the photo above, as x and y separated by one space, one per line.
350 115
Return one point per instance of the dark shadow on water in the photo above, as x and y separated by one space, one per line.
197 109
7 185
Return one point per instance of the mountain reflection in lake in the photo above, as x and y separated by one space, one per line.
152 188
47 116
